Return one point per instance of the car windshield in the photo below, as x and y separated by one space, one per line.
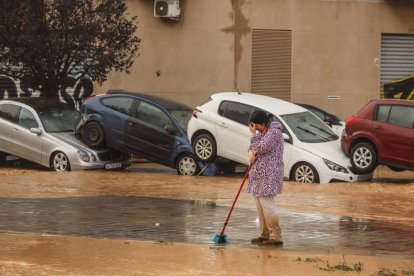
58 120
182 117
308 128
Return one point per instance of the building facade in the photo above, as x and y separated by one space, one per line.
334 54
326 53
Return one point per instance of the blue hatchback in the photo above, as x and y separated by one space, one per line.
147 126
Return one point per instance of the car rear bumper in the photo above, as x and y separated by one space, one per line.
345 142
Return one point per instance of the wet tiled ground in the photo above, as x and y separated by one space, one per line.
168 220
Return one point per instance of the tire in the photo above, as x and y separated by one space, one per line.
205 148
305 173
93 135
363 158
187 165
60 162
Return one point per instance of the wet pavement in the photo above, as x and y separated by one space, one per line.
171 221
151 203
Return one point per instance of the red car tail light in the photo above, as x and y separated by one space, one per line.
195 111
352 120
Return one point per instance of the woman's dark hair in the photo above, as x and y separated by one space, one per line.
259 117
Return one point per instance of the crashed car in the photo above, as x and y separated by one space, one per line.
41 130
150 127
312 151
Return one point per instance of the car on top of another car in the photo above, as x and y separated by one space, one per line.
312 152
41 130
330 119
150 127
381 133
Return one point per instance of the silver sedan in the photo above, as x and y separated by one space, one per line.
41 130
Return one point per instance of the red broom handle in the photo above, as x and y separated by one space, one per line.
237 196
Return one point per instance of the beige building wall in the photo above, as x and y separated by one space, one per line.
336 48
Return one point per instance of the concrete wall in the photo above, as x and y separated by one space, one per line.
336 48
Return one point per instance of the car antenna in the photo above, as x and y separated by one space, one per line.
235 85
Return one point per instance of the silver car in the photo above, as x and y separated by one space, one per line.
41 130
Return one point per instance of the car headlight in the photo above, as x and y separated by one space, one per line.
93 157
84 156
335 167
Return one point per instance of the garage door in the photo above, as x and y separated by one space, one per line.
397 66
271 63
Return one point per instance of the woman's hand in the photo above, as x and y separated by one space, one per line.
252 128
252 156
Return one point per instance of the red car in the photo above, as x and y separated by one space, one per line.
381 133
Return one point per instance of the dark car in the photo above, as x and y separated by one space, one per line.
381 133
330 119
151 127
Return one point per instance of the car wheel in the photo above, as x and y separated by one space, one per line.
187 165
205 147
305 173
363 158
60 162
93 135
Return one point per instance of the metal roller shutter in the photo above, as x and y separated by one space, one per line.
397 66
271 63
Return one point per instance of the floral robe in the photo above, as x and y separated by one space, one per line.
266 173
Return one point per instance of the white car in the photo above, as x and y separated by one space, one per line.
312 152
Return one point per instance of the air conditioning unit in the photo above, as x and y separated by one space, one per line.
167 8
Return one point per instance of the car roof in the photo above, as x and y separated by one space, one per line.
40 103
393 101
270 104
166 103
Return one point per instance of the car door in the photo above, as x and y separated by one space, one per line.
8 117
233 131
25 143
393 128
150 132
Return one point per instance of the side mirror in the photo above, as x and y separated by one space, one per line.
286 137
170 129
36 130
328 122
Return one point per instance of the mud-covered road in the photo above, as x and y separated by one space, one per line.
151 203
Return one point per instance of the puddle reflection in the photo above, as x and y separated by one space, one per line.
169 220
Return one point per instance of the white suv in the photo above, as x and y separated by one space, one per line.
312 152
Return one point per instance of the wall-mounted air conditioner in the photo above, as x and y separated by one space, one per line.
167 8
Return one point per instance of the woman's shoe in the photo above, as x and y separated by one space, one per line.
259 240
272 242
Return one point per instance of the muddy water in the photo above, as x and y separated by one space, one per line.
150 202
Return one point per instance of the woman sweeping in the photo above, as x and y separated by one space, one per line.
266 174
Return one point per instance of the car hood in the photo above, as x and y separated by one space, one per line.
69 137
328 150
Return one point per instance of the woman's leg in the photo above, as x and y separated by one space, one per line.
262 219
271 219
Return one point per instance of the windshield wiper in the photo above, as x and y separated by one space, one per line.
323 130
311 132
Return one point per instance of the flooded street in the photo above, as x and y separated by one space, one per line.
149 205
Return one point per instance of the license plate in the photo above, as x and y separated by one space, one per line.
113 165
364 177
239 169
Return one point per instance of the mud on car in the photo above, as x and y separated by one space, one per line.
150 127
